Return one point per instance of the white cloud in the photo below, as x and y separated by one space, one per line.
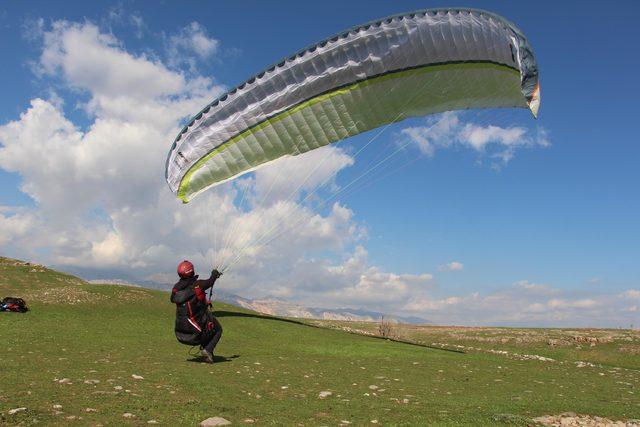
119 16
439 132
523 303
95 61
109 250
448 129
14 225
561 303
632 294
302 173
452 266
138 24
190 44
33 29
478 137
535 288
350 282
110 207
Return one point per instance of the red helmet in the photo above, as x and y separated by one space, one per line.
185 269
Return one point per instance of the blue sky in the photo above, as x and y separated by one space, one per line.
563 216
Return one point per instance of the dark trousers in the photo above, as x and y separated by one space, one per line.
212 335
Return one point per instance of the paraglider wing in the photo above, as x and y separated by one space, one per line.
378 73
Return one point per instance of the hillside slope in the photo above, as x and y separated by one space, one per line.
90 354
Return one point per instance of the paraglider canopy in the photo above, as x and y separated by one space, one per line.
378 73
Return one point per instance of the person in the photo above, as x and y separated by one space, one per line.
195 323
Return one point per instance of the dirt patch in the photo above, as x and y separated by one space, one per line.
571 419
64 295
630 349
592 340
132 294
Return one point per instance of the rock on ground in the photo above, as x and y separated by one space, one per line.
215 421
324 394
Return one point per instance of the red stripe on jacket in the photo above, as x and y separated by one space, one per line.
192 320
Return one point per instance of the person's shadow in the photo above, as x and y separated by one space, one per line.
224 313
216 359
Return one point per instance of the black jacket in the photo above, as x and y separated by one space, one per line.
191 308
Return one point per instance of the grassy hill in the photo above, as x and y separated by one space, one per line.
97 354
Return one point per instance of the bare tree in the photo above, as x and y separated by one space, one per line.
385 328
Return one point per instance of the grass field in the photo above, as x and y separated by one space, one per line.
97 354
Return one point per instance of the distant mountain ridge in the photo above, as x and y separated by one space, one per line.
282 308
278 307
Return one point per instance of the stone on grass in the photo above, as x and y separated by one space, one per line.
324 394
16 410
215 421
128 415
137 377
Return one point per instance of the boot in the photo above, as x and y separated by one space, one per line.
207 355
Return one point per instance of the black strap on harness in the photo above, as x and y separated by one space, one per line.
209 304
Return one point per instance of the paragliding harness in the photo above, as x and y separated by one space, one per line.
193 325
209 327
15 305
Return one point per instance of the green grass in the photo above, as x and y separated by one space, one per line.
98 336
618 348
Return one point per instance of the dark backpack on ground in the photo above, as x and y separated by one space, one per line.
16 305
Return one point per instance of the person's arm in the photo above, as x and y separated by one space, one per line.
208 283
